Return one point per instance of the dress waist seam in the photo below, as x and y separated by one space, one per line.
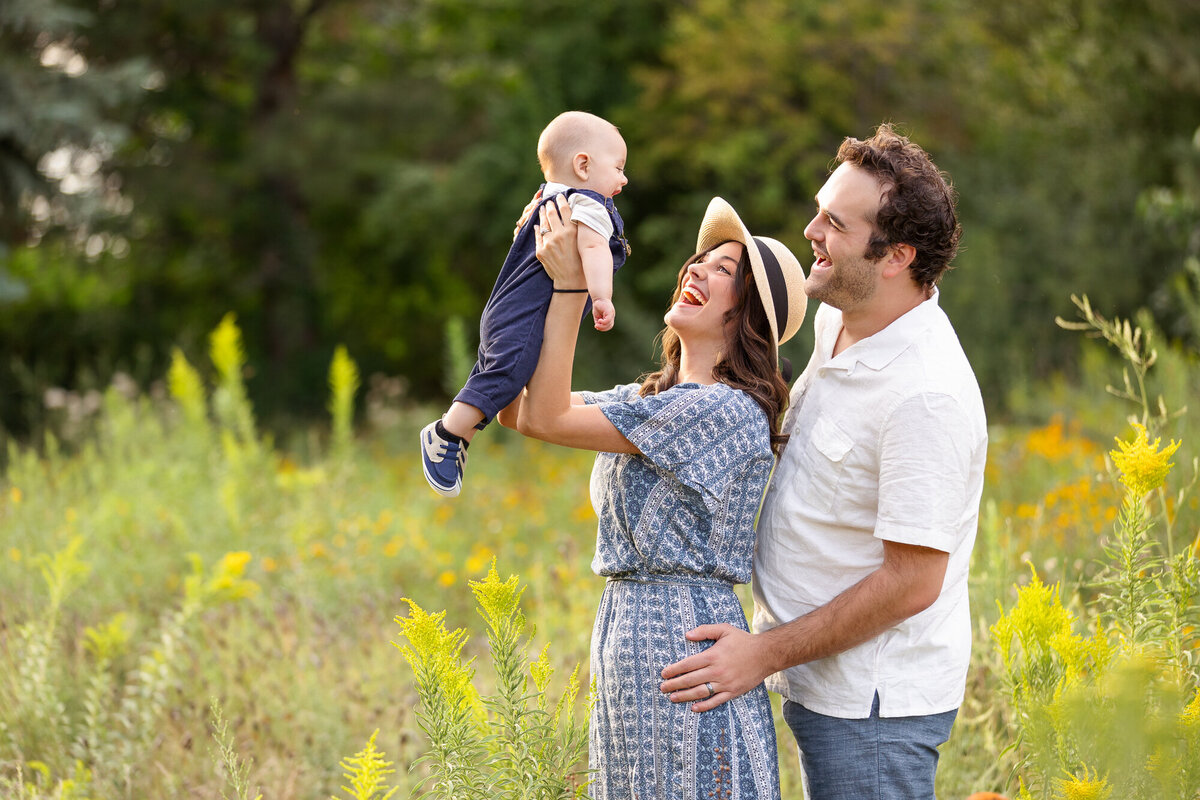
670 580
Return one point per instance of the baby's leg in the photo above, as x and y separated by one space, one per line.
461 420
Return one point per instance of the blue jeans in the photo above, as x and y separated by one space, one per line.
877 758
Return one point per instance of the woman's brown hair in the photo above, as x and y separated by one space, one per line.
749 361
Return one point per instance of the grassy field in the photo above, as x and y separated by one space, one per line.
167 557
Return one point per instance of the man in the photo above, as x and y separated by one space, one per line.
861 616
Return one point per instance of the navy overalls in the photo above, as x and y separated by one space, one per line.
511 327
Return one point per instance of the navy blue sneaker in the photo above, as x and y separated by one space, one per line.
443 460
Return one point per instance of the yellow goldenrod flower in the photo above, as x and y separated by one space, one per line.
498 600
234 563
1143 465
479 558
1036 620
187 388
435 655
1089 786
1191 713
107 641
447 578
226 350
541 670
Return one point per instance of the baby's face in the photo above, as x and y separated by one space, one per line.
606 165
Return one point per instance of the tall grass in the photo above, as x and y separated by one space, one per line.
128 553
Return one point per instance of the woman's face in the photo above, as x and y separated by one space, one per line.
707 294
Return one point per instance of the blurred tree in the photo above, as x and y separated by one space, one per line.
57 120
753 98
1173 212
332 171
1073 109
432 219
60 122
348 171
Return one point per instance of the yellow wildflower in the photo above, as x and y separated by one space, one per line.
435 656
1191 713
1036 620
1089 786
481 556
541 670
447 578
226 350
1143 465
234 563
108 640
498 600
15 495
14 554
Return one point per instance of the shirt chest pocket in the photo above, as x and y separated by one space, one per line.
825 459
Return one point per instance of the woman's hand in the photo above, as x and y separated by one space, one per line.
557 247
526 212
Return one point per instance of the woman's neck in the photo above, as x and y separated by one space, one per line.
697 365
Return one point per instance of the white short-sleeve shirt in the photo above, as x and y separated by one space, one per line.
584 210
888 442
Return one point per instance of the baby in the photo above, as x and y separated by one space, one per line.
582 157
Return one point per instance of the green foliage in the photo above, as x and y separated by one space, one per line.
495 745
146 634
1111 714
459 355
118 720
213 168
237 769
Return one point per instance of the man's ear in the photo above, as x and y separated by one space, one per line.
580 164
898 259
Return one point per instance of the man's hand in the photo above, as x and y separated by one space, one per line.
735 664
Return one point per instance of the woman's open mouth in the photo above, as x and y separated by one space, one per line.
691 296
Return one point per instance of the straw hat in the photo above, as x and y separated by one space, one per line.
777 273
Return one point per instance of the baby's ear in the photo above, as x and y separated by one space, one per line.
580 164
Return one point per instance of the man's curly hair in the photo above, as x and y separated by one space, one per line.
918 201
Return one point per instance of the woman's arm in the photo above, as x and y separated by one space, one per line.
509 416
546 409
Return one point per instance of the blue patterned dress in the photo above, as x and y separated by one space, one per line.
676 532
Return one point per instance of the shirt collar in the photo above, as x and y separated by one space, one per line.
877 351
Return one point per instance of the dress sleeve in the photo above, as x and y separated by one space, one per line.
617 394
706 436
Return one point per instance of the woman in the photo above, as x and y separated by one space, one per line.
683 461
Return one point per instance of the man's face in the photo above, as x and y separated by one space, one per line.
841 274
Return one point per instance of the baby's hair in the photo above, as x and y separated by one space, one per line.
569 133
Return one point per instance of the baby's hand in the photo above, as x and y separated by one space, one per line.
604 313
